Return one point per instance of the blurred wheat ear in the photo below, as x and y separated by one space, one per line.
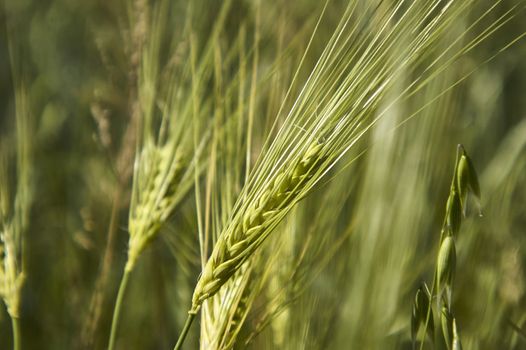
14 209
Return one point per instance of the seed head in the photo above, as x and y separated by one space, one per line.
250 228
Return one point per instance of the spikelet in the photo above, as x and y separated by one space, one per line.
446 263
453 212
419 314
467 180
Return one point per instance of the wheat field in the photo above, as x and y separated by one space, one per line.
249 174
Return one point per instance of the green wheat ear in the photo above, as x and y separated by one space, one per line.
250 228
163 170
14 211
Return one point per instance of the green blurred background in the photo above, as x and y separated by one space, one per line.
77 60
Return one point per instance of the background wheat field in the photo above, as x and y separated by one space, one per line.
249 174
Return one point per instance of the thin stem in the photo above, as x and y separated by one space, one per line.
99 293
184 333
16 333
117 310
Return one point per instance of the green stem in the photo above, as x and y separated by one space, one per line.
16 333
184 333
117 310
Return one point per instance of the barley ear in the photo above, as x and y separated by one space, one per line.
253 225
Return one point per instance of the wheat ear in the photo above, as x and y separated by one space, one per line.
165 169
14 213
249 231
